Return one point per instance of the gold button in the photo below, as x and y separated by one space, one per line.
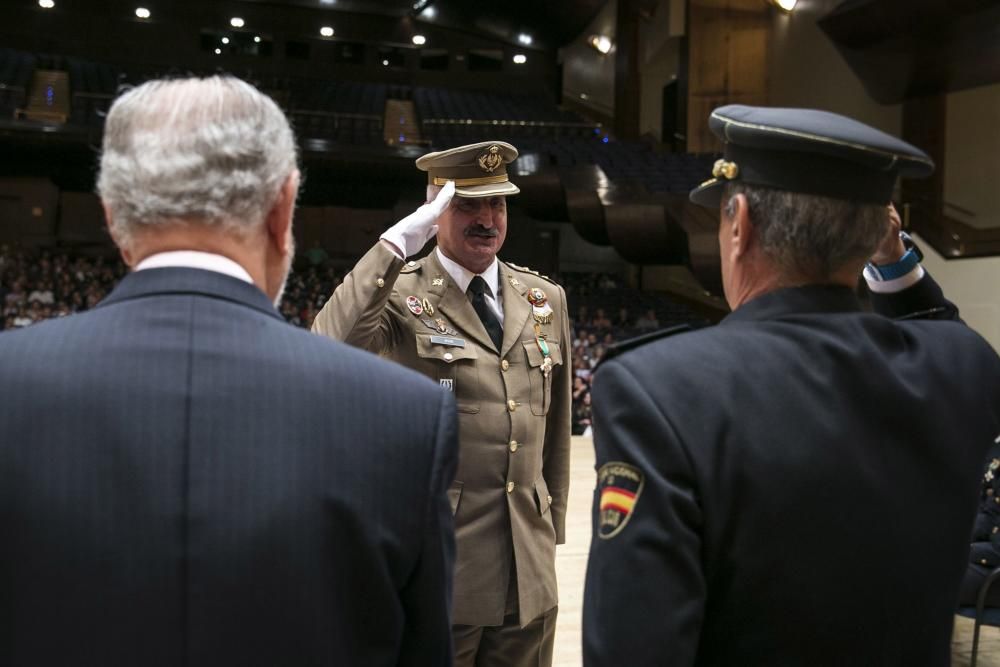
513 445
448 356
548 499
983 561
411 264
511 405
380 283
504 365
510 489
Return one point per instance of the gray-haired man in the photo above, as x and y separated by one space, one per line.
185 479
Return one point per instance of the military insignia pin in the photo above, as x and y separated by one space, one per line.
437 282
491 160
428 308
540 308
413 303
447 383
619 485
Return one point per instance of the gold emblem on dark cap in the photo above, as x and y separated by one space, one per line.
491 159
725 169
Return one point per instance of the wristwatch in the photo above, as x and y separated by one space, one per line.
906 263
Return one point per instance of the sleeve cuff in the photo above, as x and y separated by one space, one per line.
394 242
894 285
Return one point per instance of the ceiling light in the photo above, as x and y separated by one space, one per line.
787 5
218 52
326 31
419 40
601 43
385 63
236 22
525 39
256 39
225 40
520 59
429 13
327 2
46 4
142 12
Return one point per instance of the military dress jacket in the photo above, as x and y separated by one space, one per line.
510 491
795 486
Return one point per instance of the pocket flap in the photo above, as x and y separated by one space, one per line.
535 355
428 349
542 495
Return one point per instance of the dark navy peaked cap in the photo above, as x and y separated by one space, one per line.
808 151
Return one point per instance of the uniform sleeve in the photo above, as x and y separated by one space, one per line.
645 589
357 311
555 455
923 300
427 597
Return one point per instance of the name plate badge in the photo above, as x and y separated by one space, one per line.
447 340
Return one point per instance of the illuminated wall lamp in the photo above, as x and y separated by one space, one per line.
601 43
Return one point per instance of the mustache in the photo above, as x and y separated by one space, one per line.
482 231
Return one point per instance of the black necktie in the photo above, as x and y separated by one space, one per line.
477 294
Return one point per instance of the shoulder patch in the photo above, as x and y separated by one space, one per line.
619 485
411 266
632 343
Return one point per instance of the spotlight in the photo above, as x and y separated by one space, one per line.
525 38
46 4
601 43
429 13
225 40
419 40
236 22
385 63
787 5
520 59
326 31
256 39
142 12
218 52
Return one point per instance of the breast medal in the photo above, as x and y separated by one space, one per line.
540 308
413 303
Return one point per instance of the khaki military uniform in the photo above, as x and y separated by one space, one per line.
509 495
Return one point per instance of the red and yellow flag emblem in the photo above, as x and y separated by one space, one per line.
619 485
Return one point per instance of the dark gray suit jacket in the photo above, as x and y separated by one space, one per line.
185 479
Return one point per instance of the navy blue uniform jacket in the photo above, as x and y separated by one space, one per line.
810 480
187 480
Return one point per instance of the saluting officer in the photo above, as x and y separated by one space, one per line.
497 335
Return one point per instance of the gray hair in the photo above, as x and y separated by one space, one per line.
215 151
810 236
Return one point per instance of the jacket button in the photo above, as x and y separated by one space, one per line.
448 356
411 264
995 529
548 499
512 405
379 283
504 365
513 448
983 561
510 489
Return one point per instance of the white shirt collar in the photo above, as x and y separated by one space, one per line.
195 259
462 276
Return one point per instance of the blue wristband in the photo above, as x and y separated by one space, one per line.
906 263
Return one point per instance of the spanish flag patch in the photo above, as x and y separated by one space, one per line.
619 485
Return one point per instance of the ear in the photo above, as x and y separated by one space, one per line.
125 253
279 218
740 229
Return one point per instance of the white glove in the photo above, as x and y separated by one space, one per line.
411 233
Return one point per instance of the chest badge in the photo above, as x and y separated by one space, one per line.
413 303
428 308
540 308
437 282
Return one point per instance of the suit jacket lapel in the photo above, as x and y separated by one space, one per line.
516 308
455 304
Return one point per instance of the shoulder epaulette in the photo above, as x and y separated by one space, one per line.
525 269
411 266
632 343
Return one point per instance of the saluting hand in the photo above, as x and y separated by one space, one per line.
411 233
890 249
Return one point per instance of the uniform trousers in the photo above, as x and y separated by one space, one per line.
507 645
